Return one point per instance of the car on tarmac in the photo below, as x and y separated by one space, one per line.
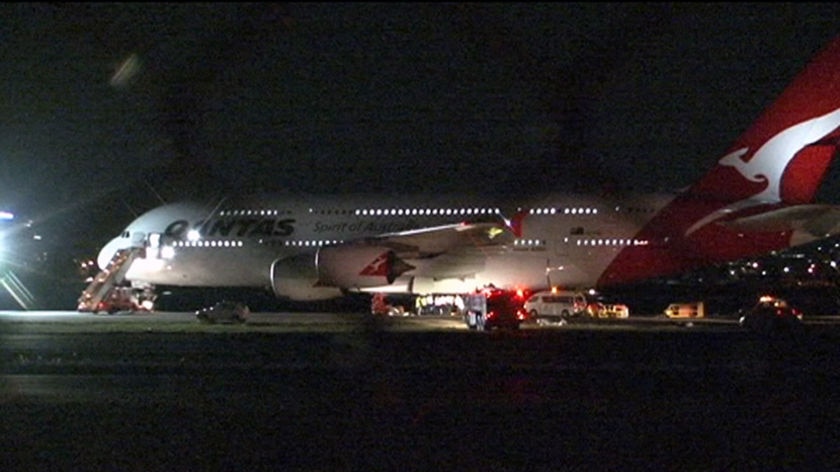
224 312
769 315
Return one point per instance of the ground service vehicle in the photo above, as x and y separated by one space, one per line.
224 312
607 310
494 308
686 310
381 306
117 299
771 315
555 305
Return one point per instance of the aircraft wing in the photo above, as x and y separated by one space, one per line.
454 250
816 220
432 241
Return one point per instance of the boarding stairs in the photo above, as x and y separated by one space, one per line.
107 279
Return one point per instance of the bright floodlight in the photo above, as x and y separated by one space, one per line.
193 235
6 215
167 252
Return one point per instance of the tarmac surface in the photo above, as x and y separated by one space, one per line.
321 391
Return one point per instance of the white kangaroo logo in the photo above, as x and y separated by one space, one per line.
769 162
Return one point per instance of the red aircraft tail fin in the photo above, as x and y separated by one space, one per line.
779 162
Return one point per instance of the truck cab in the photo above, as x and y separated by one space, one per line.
494 308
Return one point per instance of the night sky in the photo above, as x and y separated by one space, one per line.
109 108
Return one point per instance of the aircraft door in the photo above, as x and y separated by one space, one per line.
138 239
153 244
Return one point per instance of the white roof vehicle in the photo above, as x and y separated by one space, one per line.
555 304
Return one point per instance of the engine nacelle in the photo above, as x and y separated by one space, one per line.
296 278
353 267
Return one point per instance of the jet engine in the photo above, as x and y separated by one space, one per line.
351 267
295 278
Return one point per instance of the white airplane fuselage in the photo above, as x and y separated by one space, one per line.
564 240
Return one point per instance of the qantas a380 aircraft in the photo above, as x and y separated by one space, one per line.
758 198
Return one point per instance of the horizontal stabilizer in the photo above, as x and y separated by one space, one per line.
817 220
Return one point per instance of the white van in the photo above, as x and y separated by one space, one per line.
562 304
